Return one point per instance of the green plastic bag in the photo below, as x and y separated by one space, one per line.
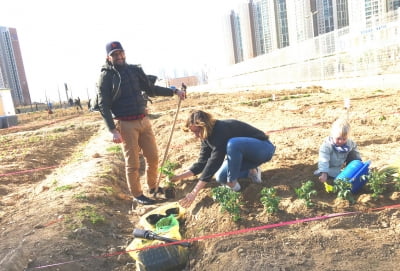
166 224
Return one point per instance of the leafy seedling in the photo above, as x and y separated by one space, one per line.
229 201
343 190
168 170
89 213
270 200
305 192
376 182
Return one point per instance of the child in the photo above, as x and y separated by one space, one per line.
336 151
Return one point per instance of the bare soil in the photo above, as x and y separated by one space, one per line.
64 203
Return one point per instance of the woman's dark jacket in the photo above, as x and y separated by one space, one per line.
213 149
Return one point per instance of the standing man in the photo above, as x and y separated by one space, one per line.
120 98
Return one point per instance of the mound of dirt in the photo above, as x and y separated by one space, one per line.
65 205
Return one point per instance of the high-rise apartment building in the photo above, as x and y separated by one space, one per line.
281 23
374 11
268 25
12 71
247 30
392 5
300 21
330 15
317 42
264 25
341 14
236 37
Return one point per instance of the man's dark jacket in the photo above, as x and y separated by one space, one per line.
120 92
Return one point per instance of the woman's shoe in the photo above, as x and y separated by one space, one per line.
256 177
236 187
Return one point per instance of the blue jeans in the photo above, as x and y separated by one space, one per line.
243 154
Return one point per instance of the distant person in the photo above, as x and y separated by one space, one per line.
89 105
230 149
183 87
78 104
120 95
49 108
336 151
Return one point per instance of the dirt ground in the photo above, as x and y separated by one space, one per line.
64 203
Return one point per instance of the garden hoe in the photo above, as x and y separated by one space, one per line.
167 148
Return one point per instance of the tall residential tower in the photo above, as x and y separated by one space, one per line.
12 72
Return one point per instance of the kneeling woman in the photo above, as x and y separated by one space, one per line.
244 147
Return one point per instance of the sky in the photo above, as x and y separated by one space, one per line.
63 41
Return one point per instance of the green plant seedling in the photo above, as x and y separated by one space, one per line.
305 192
270 200
64 187
229 201
168 170
116 149
376 182
90 214
343 190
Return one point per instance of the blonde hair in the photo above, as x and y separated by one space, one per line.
340 127
201 119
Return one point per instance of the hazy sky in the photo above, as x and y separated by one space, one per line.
63 41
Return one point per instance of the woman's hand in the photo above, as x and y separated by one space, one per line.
184 175
174 178
188 200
